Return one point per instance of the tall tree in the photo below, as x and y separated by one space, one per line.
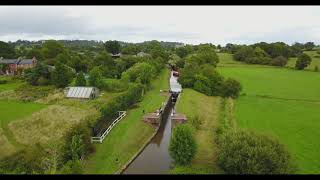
309 46
6 50
112 47
61 76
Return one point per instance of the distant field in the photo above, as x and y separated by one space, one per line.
194 103
315 60
130 133
269 106
276 82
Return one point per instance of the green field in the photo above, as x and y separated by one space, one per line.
276 82
9 86
284 103
9 112
315 60
130 133
193 103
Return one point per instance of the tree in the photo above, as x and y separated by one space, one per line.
95 77
61 75
246 152
6 50
130 49
309 46
112 47
303 61
279 61
140 72
52 48
231 88
244 53
37 53
32 75
81 80
182 147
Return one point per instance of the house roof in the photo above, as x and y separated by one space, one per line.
16 61
26 61
80 92
9 61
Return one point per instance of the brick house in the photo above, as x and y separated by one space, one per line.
13 65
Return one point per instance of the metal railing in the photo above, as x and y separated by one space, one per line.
100 139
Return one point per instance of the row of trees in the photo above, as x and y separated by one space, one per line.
275 55
199 73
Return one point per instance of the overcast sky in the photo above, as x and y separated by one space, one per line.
187 24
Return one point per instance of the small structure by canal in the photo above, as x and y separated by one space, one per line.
155 158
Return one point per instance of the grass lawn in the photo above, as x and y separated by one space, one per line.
129 134
9 112
295 122
193 103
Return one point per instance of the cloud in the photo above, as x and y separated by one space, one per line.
189 24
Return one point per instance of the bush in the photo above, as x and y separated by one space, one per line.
80 80
316 69
43 81
95 77
3 81
182 147
231 88
279 61
246 152
31 93
303 61
72 167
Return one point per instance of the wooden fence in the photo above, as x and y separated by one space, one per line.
100 139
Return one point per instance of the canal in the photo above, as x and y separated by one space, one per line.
155 158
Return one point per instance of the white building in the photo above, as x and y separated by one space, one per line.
82 92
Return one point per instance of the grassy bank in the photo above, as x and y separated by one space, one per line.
193 103
129 134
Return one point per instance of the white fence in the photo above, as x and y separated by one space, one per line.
101 138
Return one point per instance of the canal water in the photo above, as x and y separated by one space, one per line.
155 158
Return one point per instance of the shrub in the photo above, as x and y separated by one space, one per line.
95 77
246 152
303 61
31 93
80 80
231 88
77 143
72 167
279 61
316 69
182 147
3 81
43 81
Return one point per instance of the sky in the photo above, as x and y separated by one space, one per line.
187 24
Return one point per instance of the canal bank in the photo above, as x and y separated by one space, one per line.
154 158
129 135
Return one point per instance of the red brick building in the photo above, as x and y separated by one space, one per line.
11 66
